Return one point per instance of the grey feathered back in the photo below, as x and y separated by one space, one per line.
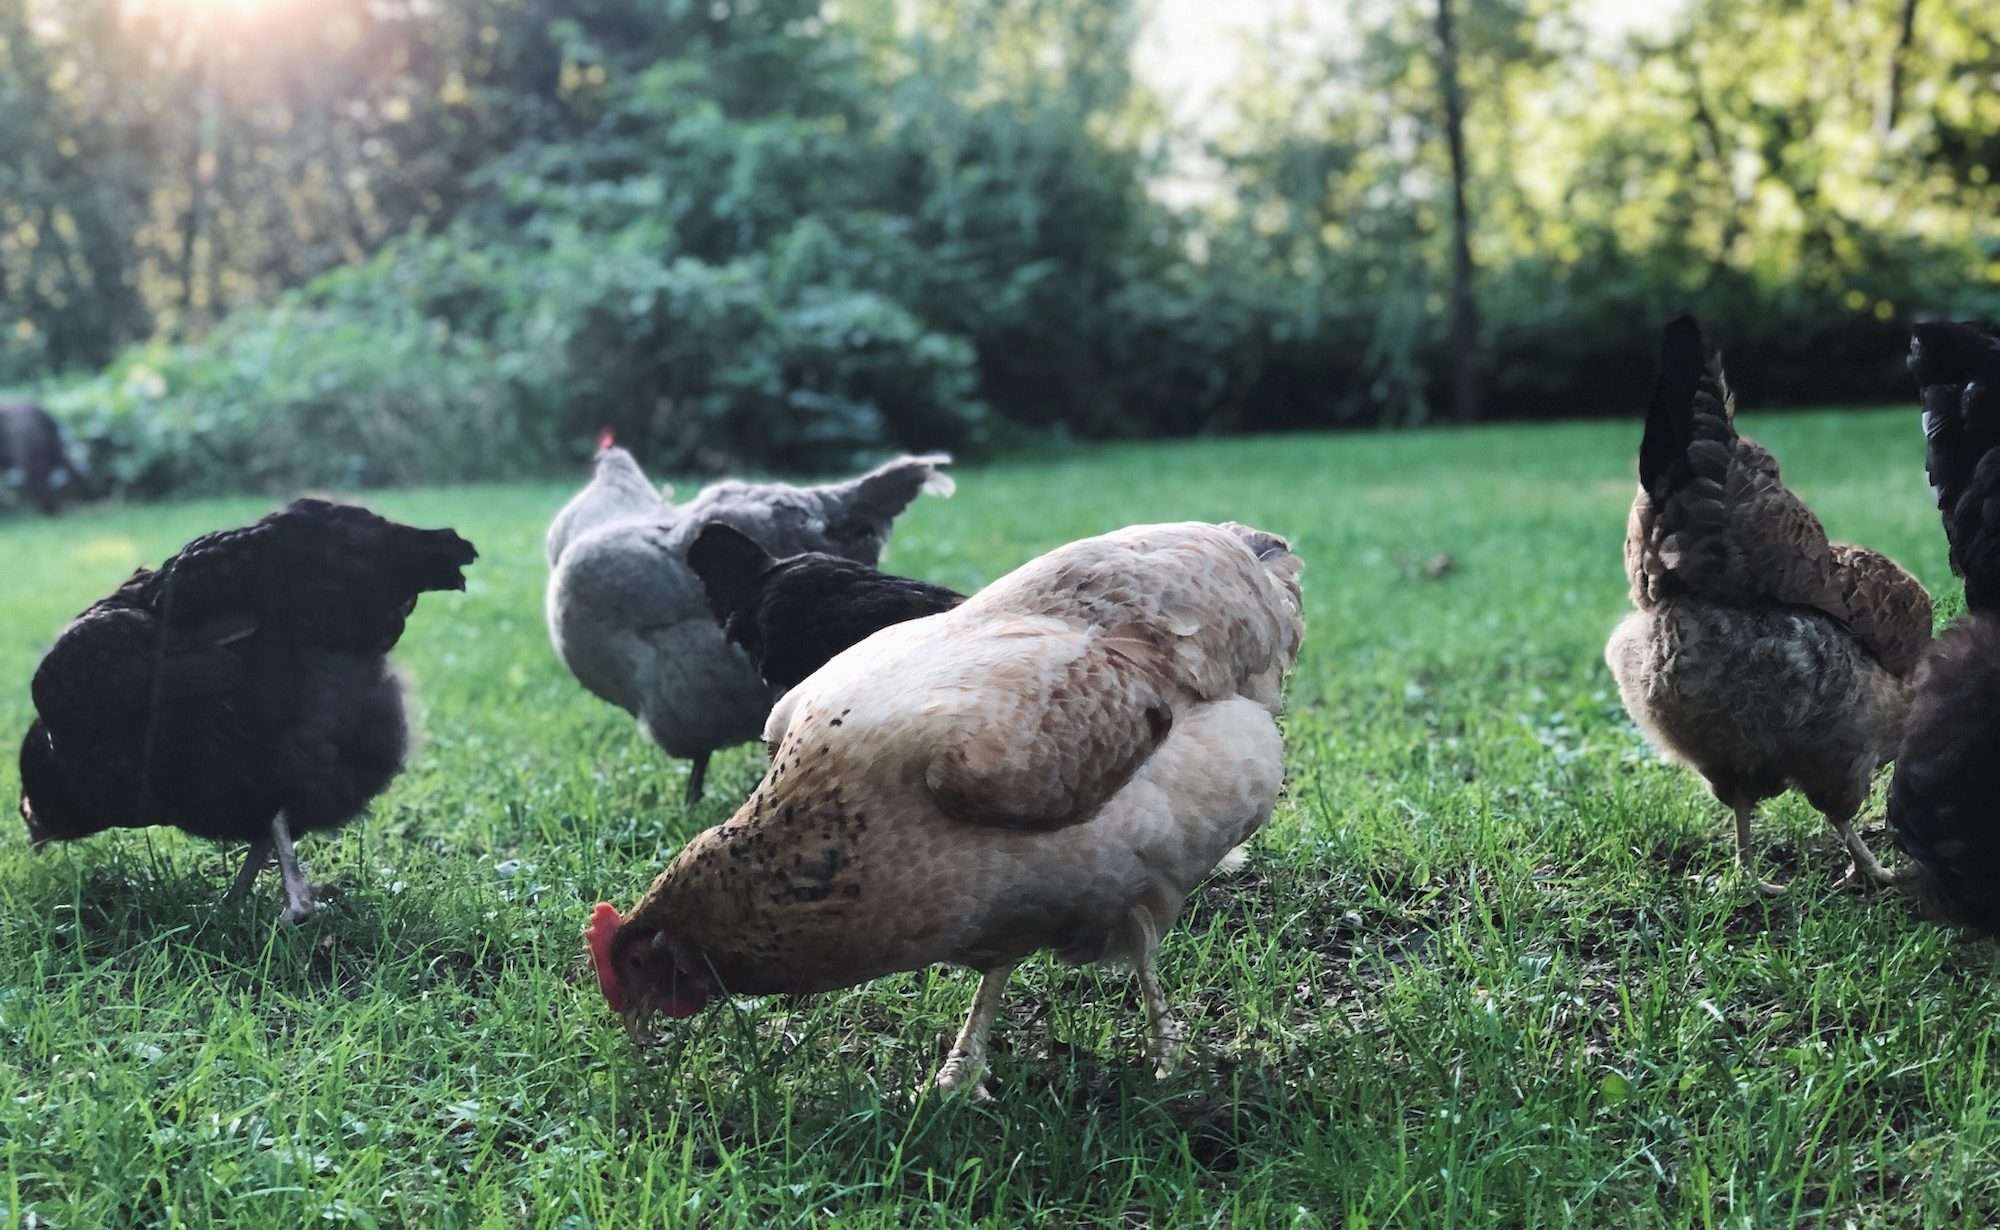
618 491
885 491
850 518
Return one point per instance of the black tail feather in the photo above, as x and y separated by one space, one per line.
1952 352
1957 369
434 559
1670 417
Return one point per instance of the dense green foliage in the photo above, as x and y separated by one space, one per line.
1489 966
374 240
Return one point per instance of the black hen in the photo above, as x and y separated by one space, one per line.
241 692
793 615
1944 802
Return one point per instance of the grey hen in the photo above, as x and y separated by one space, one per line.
631 620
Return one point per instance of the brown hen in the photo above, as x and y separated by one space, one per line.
1760 654
1053 765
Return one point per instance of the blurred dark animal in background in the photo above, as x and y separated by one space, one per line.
31 447
793 615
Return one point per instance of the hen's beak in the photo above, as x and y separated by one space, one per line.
683 996
641 1017
639 1022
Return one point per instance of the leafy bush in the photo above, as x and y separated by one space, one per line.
298 395
448 358
771 234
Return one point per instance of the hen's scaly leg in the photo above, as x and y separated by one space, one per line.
1864 858
1743 860
1163 1034
697 779
253 862
967 1062
299 902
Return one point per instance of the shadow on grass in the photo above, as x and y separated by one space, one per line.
168 925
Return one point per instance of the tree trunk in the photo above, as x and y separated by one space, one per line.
1892 86
1464 311
191 227
220 218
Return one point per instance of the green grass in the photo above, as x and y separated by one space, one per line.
1481 971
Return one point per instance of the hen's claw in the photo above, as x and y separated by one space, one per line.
1165 1037
963 1073
300 903
966 1064
1865 861
1743 854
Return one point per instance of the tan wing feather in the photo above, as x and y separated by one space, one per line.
1064 723
1047 691
1219 620
1155 618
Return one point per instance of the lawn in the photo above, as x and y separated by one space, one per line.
1485 968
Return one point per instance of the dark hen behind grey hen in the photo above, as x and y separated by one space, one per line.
1944 802
794 615
241 692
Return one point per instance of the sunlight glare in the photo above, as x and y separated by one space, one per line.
214 6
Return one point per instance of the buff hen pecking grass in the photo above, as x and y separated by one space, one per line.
1053 765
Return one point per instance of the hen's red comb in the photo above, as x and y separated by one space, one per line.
605 439
604 923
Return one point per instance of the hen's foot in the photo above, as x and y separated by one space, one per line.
1165 1037
963 1073
966 1064
1743 867
1865 863
1167 1047
309 903
300 902
1764 887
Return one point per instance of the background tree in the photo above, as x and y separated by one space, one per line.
1464 309
355 241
